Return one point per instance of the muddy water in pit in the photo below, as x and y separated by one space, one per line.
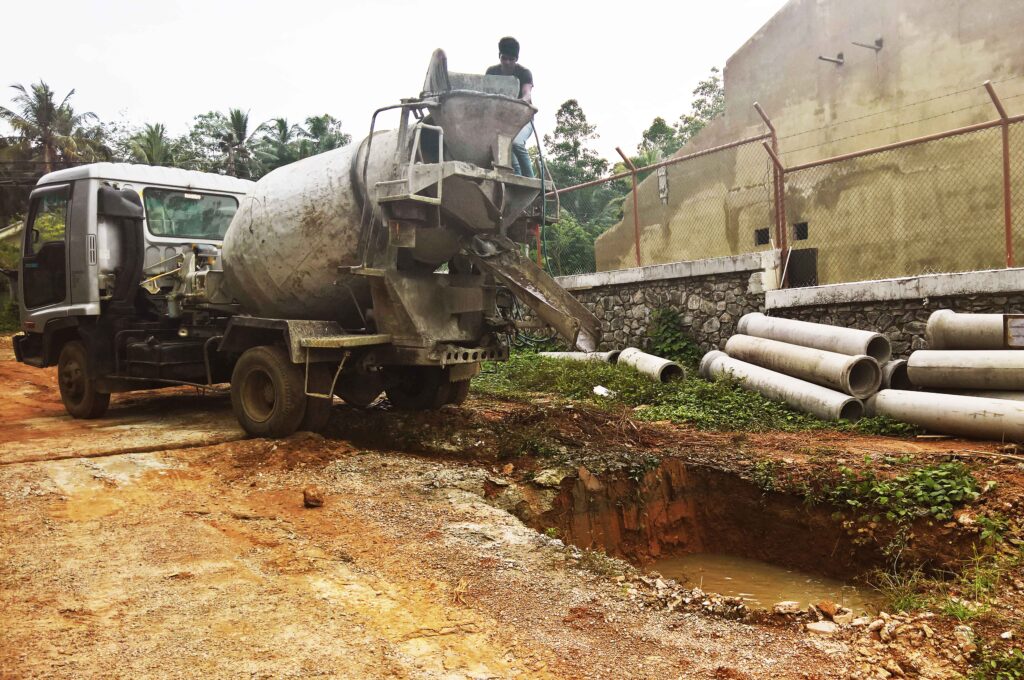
761 584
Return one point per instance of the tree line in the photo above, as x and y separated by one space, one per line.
50 134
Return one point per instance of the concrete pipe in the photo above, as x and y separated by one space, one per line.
606 357
817 335
858 376
991 394
894 375
798 394
648 364
995 419
967 369
948 330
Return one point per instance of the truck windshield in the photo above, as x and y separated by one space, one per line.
185 214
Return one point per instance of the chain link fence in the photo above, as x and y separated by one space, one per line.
926 208
931 205
705 204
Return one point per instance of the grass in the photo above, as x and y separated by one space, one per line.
718 405
901 590
995 664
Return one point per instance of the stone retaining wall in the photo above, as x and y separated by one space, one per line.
709 295
899 308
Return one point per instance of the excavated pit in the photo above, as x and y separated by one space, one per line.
680 508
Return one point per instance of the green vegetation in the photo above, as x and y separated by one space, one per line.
933 490
50 135
995 664
902 590
667 338
720 405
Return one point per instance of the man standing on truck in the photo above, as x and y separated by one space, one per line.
508 55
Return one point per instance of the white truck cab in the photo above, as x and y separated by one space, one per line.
72 252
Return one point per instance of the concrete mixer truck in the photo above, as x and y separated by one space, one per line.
393 265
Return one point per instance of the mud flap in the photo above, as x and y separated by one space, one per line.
500 257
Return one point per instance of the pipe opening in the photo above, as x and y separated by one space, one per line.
899 379
864 378
852 410
613 356
879 348
671 372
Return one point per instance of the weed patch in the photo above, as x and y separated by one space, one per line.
718 405
933 490
994 664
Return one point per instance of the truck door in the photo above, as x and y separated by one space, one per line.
44 266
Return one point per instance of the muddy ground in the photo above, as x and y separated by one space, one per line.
158 542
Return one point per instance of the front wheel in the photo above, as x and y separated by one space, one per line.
78 385
267 392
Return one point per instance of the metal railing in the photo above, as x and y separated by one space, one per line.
943 202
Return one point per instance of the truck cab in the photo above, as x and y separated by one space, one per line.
92 233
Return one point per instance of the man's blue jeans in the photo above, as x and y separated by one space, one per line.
521 164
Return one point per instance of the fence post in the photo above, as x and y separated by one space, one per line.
778 192
636 208
1007 204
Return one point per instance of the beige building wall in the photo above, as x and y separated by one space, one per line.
929 208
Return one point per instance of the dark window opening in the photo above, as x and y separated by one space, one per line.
800 231
761 237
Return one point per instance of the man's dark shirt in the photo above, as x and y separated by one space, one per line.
520 72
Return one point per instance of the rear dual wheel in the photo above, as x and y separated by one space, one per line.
268 393
423 388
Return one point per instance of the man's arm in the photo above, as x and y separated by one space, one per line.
527 93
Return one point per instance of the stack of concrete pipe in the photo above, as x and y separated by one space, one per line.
663 370
821 369
975 385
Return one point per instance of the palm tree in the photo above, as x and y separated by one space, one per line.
322 133
151 146
237 143
279 144
54 131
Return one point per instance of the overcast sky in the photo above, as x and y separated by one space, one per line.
168 60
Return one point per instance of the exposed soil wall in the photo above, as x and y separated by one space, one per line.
680 507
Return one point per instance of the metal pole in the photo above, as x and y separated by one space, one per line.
636 209
540 257
1007 203
778 189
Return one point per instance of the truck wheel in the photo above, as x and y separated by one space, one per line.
318 411
359 391
417 388
77 387
458 393
266 392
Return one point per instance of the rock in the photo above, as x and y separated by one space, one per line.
1008 635
876 625
893 667
550 477
822 627
787 607
312 497
964 636
860 622
829 608
843 617
590 482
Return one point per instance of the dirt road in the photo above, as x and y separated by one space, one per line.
158 543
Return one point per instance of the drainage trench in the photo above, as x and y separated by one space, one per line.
714 529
